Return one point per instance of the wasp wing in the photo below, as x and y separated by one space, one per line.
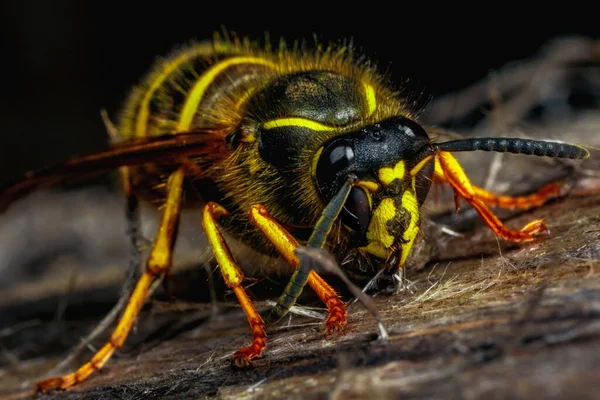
169 149
439 134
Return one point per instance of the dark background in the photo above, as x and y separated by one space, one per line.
65 60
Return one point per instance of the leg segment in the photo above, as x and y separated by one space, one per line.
158 263
132 216
317 240
456 177
286 244
519 202
509 202
233 277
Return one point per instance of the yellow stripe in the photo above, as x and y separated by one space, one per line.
298 122
141 122
195 96
371 99
244 98
313 167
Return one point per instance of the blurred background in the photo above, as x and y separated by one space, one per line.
64 61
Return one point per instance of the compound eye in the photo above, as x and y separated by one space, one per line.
335 158
413 128
356 213
339 155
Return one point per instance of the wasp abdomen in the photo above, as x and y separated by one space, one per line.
197 88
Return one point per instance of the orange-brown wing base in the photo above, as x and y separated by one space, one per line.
171 150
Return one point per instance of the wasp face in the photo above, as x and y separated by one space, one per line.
382 210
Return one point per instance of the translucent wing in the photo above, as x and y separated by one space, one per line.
160 150
442 135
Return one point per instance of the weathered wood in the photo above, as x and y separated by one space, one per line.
526 323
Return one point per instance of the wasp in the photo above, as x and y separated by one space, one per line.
280 149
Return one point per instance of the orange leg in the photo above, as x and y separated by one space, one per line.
286 244
233 277
158 264
519 202
509 202
452 173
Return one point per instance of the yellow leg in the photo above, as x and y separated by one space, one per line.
509 202
286 244
158 263
448 169
233 277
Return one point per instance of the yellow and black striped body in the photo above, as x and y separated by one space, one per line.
275 109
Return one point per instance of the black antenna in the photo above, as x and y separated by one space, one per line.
516 146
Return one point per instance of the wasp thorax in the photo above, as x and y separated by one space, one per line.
321 96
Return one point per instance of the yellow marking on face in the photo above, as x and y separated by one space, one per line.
141 123
387 175
377 249
371 99
378 236
195 95
369 186
298 122
410 204
417 168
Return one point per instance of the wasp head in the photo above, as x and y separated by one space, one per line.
393 179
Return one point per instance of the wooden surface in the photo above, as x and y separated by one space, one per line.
521 325
477 318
